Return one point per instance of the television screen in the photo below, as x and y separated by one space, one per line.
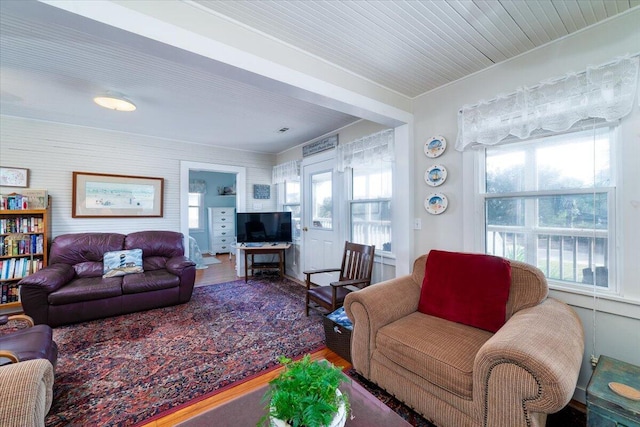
268 227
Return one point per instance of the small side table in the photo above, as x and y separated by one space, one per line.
250 252
606 408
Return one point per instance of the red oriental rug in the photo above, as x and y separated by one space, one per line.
125 370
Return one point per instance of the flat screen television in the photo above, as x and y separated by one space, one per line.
266 227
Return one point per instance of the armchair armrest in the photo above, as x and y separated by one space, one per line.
7 354
530 365
308 273
26 392
177 264
374 307
4 319
323 270
342 283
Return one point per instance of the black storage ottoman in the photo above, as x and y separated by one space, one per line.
337 330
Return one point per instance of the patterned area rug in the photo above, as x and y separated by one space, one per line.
127 369
408 414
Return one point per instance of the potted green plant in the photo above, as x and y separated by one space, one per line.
306 394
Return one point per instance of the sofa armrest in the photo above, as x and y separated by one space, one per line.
530 366
36 287
177 264
185 269
374 307
50 278
26 393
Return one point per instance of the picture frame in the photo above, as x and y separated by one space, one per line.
14 177
261 191
97 195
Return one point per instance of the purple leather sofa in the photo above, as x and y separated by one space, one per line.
71 288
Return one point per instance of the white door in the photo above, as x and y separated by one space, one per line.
322 207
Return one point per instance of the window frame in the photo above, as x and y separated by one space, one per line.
296 237
349 181
200 206
614 288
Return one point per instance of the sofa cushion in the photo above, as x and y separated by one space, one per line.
155 263
156 243
472 289
88 269
149 281
121 263
440 351
81 247
86 289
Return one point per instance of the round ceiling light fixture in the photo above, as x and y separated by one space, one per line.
114 101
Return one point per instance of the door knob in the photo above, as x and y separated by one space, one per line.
305 229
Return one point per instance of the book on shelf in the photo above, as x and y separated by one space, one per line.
17 268
21 225
21 244
36 199
27 199
10 293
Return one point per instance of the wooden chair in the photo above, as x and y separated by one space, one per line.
355 273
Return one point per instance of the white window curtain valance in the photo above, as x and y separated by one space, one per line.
198 186
289 171
606 92
366 150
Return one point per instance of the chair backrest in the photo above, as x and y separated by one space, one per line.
357 262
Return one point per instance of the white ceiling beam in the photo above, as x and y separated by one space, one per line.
182 25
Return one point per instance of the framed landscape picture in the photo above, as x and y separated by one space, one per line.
98 195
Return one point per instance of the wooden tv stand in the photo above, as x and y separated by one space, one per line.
265 249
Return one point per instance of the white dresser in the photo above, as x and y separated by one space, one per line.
222 230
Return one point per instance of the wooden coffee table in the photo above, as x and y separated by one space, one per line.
246 410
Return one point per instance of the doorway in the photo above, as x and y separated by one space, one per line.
185 168
322 230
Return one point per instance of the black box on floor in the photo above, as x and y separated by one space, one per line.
337 330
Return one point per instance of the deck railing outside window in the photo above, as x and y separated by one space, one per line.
562 256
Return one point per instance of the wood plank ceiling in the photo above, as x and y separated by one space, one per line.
415 46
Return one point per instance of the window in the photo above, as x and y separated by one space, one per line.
292 204
550 202
196 211
370 205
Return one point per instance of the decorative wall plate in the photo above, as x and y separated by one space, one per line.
435 175
436 203
435 146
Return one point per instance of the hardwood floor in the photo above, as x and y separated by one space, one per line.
239 390
217 273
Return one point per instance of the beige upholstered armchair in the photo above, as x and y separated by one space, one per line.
459 375
26 393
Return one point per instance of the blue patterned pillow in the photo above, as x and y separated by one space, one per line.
340 317
120 263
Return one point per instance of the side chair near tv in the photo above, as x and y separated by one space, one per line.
355 273
468 340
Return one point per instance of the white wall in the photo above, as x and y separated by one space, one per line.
618 323
52 152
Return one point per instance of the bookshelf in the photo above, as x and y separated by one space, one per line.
24 244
